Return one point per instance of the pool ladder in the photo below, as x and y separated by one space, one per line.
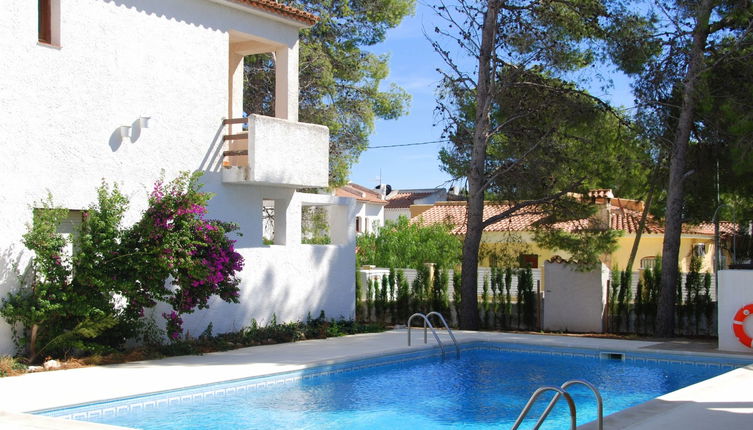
561 391
427 324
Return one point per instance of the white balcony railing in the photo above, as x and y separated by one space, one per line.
273 151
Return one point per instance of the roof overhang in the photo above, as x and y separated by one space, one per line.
272 11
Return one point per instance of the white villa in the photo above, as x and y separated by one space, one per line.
369 207
123 90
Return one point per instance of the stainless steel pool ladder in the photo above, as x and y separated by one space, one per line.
427 325
561 391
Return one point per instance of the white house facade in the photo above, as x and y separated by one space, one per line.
369 207
129 90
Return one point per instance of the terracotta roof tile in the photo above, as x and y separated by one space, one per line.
360 193
621 218
281 9
403 200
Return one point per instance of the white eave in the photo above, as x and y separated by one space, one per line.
262 13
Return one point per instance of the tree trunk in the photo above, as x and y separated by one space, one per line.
670 252
469 319
33 342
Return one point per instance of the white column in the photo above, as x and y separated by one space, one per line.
286 83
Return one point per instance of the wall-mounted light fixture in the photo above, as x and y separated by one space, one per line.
125 131
144 121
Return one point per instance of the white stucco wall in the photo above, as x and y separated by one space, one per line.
371 216
394 214
122 59
735 291
574 301
284 152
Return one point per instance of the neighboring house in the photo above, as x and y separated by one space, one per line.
129 90
619 214
407 202
369 207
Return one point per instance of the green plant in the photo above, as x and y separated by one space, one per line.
409 244
359 296
508 296
45 299
495 286
392 297
457 296
93 300
624 298
526 298
371 286
614 283
403 296
485 301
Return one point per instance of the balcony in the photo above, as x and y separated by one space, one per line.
271 151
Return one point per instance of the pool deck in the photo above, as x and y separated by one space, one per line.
724 402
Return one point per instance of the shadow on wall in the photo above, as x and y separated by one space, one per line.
14 261
177 10
212 161
133 134
288 283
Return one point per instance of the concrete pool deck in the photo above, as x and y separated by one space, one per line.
724 402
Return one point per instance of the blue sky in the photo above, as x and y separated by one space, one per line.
413 65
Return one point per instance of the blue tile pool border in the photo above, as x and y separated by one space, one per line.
130 404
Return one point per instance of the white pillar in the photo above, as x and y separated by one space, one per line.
286 82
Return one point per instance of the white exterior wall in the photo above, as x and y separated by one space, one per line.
574 301
735 291
394 214
371 216
168 59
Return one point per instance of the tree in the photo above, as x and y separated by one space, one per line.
406 244
115 272
520 134
339 80
678 49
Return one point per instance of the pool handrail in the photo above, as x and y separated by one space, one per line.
599 402
449 330
539 391
563 389
426 322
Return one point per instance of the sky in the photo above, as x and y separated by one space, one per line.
413 65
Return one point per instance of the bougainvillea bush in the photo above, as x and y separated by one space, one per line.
172 254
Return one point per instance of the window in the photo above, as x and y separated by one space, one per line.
648 262
699 249
529 260
49 22
358 224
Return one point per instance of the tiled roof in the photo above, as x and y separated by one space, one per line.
403 200
280 9
621 218
360 193
454 213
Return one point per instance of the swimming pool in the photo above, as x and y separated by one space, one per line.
486 388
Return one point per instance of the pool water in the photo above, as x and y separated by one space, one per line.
486 388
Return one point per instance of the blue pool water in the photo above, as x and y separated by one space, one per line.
485 388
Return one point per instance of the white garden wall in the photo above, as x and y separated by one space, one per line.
574 301
735 291
168 60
